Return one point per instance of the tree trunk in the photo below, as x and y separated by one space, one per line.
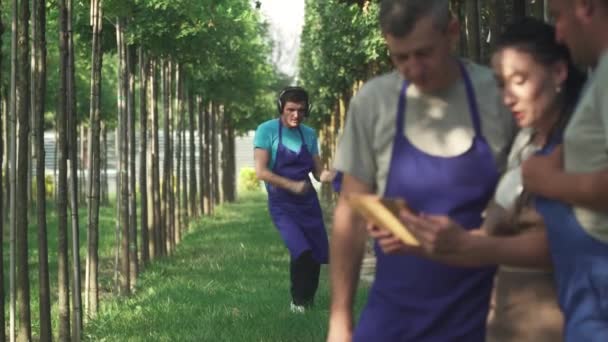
24 333
215 128
156 235
143 184
132 155
39 100
62 191
497 20
208 159
472 29
167 158
192 186
179 120
200 107
92 268
184 180
2 198
13 171
118 221
73 165
103 161
124 159
227 161
171 218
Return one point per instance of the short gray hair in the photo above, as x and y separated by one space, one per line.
398 17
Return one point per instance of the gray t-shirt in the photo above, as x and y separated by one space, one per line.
439 124
586 143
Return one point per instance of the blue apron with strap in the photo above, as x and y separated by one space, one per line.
580 265
415 299
298 218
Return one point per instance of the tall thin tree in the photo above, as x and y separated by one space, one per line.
133 268
192 166
167 158
158 223
24 333
200 107
39 100
73 171
215 177
124 156
143 184
92 262
2 198
13 171
62 193
179 119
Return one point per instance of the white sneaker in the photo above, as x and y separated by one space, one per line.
297 308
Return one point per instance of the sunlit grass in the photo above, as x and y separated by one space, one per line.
227 281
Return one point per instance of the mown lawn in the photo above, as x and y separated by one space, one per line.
227 281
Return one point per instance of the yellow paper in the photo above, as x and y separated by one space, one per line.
383 213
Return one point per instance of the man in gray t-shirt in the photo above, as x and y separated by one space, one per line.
434 133
573 181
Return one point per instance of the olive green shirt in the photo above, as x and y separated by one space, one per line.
586 143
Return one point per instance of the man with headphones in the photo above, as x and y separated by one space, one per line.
285 153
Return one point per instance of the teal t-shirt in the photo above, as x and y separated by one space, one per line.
267 138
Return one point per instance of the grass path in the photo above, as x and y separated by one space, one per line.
227 281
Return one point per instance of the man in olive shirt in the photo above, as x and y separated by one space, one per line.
573 181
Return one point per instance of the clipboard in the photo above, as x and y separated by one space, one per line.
384 213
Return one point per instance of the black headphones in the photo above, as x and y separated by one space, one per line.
281 104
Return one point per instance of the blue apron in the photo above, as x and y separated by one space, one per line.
297 217
581 272
415 299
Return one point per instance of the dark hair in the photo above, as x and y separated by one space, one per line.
293 94
537 38
398 17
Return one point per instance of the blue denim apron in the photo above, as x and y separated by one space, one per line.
415 299
297 217
581 272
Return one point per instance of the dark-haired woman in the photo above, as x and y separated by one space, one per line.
540 86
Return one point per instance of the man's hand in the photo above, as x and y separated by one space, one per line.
436 234
299 187
539 171
327 176
389 243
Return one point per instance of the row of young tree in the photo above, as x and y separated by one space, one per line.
342 47
197 70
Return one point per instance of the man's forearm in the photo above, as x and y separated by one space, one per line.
270 177
347 248
524 250
588 190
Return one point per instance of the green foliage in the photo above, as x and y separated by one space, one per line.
248 180
341 44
